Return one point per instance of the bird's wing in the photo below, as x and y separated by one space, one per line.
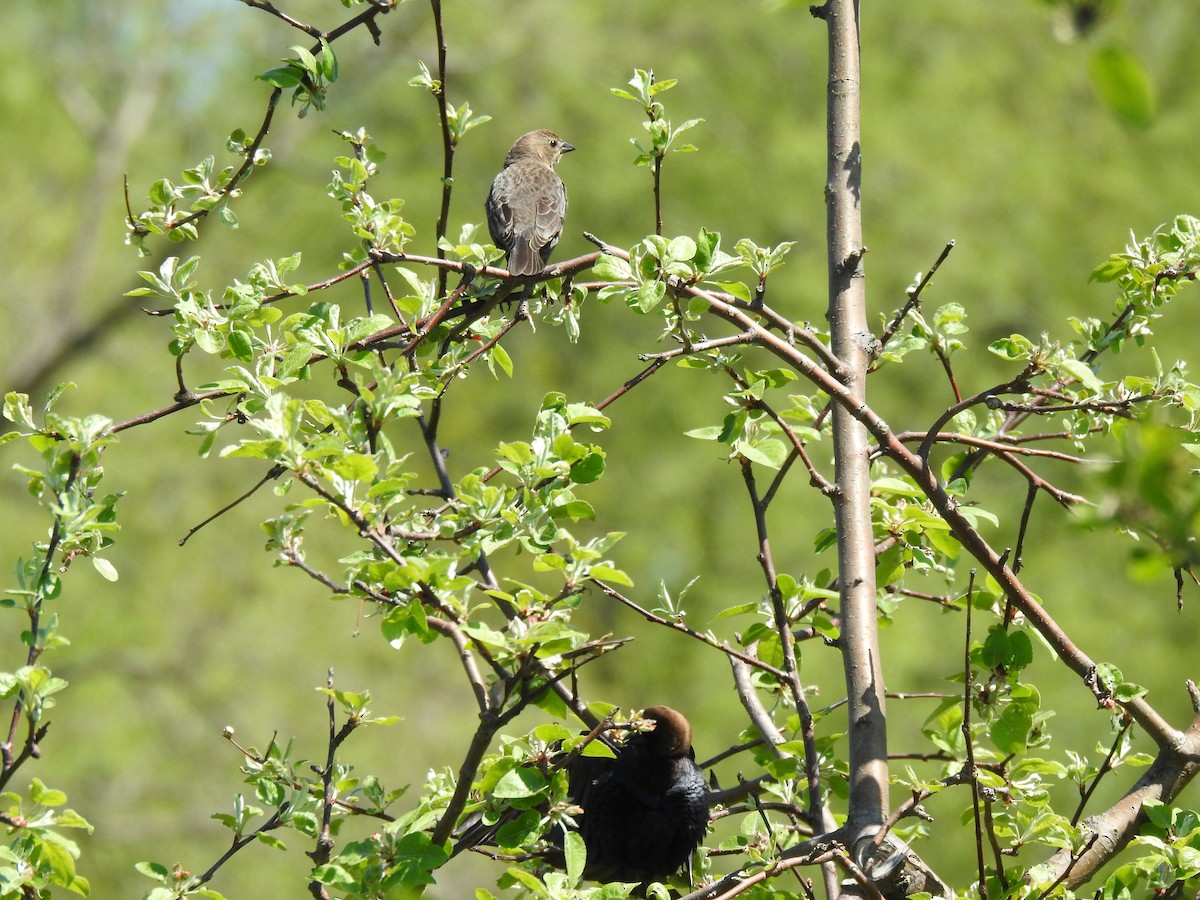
549 216
499 213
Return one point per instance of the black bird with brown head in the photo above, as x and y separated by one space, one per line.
645 811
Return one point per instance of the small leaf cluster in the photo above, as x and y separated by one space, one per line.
37 856
377 224
750 431
66 487
659 267
1170 864
307 75
175 208
662 134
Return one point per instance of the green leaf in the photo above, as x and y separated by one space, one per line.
355 467
769 452
1013 347
154 870
271 841
282 77
1011 730
500 357
106 569
1083 372
1020 650
589 469
737 289
1111 269
611 575
1109 676
576 856
210 341
520 831
889 565
550 732
334 876
484 634
681 248
995 648
647 296
575 511
60 861
1158 812
578 413
1128 691
1121 81
523 781
527 880
39 793
240 345
824 539
18 411
740 610
611 268
306 60
416 858
68 818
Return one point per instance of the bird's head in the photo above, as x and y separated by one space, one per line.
672 735
541 146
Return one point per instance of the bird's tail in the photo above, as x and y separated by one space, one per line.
524 259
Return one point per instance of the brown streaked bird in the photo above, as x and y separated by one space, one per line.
528 202
646 811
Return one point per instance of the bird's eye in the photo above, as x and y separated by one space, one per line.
554 143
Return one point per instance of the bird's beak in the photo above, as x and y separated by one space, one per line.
567 148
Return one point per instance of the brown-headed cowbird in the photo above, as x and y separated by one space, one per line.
645 811
528 202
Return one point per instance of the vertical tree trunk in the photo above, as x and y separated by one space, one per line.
851 345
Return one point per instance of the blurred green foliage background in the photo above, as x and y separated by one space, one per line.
979 124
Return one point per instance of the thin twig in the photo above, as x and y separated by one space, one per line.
1105 768
969 741
679 626
447 140
324 846
265 5
272 473
914 297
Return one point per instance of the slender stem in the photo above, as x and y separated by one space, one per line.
656 168
969 743
11 761
914 297
677 625
270 825
311 30
783 625
447 141
325 843
1105 768
250 154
